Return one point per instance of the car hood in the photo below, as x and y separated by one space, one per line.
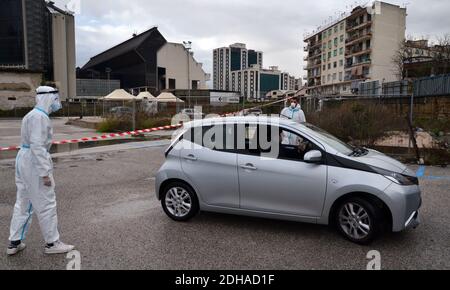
380 160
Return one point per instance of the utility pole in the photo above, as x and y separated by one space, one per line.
188 46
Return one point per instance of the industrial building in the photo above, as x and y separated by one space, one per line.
359 46
37 44
147 62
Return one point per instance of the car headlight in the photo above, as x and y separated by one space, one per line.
397 177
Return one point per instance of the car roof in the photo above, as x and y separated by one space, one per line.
245 119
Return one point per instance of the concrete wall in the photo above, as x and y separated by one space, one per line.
63 28
389 26
21 86
173 57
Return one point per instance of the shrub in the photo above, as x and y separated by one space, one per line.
124 124
360 124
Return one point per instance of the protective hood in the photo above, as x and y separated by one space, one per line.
47 99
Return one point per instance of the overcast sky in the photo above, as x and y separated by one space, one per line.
274 26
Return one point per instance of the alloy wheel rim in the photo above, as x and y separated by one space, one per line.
178 202
355 221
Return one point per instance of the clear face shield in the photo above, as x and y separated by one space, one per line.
56 103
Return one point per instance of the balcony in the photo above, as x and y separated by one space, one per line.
355 51
353 64
356 26
358 38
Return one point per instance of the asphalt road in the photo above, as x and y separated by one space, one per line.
108 209
10 131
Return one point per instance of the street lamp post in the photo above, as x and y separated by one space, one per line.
108 73
188 46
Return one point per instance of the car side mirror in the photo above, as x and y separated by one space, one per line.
313 156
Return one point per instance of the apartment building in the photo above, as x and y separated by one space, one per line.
232 58
357 47
238 69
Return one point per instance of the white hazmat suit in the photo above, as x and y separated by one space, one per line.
297 115
33 163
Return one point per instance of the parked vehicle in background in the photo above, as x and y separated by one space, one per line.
121 111
251 112
193 114
313 177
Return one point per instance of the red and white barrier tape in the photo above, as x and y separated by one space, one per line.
116 135
101 138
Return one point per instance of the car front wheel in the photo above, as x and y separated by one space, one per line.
179 202
359 220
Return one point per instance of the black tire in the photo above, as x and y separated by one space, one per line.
353 226
172 211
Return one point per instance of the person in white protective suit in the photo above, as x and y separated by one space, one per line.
34 177
295 113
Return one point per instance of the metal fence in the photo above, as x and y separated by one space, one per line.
432 86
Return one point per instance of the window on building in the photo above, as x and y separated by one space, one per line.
329 54
324 67
340 76
335 52
336 41
194 85
334 76
329 78
341 62
335 29
329 66
329 32
342 26
342 38
341 51
172 84
335 64
329 44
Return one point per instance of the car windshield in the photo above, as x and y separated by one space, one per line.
331 140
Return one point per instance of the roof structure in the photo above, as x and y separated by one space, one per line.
168 98
119 95
130 45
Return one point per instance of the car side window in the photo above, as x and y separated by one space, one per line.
294 146
216 137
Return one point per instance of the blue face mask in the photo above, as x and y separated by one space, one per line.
56 106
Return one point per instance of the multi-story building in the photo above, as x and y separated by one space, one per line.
233 58
37 43
255 82
237 69
357 47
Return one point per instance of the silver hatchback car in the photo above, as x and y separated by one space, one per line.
274 168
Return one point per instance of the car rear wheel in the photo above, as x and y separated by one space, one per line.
358 220
179 201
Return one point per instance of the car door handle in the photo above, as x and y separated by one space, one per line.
249 167
191 157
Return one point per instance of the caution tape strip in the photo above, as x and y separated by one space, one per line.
124 134
103 137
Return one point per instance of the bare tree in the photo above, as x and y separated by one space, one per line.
400 58
441 55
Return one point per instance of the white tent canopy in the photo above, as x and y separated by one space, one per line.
146 95
120 95
168 98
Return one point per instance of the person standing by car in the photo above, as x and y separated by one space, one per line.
294 111
34 177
